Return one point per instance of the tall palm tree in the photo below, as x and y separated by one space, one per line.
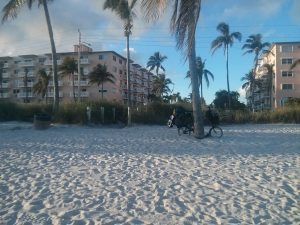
270 73
255 45
183 25
161 85
124 10
250 83
99 75
155 62
226 40
69 67
297 62
41 86
201 72
11 10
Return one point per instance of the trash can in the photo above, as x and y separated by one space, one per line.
41 121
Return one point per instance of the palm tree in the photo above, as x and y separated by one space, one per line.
254 45
183 25
201 72
41 86
226 40
11 10
125 11
155 62
161 85
100 75
69 67
250 83
297 62
270 73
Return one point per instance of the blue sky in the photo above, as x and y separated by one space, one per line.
276 20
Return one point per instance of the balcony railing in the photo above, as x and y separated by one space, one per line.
5 65
51 84
4 95
84 61
49 62
82 94
24 64
4 85
22 84
5 75
23 95
82 83
22 74
51 94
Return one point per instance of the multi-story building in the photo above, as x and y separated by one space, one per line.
276 86
20 73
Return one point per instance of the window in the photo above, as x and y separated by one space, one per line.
41 60
286 61
287 48
286 86
120 61
101 57
120 72
114 58
286 73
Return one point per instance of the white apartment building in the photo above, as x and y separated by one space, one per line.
16 69
275 89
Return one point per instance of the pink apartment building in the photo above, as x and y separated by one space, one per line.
14 70
283 83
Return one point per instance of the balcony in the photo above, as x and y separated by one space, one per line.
26 64
82 83
82 94
5 75
51 84
51 94
4 85
22 84
84 61
23 95
5 65
4 95
22 74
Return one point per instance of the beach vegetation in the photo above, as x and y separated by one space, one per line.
41 86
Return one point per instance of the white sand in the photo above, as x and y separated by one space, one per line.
149 175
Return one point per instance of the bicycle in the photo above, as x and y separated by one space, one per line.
215 131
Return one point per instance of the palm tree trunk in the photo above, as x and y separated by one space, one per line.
201 92
227 76
102 90
73 86
197 112
54 65
128 79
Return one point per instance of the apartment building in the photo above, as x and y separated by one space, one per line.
275 87
20 73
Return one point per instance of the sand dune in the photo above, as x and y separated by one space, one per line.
149 175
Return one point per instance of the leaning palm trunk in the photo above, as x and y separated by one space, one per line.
54 62
197 111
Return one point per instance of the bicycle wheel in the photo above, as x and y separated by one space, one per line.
216 132
170 123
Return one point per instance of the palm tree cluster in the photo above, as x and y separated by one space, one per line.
41 86
183 24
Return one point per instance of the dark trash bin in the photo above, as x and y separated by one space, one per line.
41 121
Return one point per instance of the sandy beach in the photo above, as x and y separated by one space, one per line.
149 175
